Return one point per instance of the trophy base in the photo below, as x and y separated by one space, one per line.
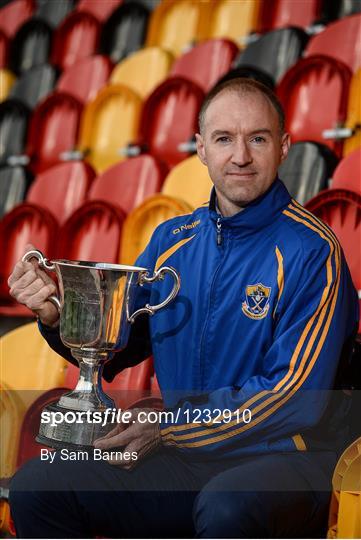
60 432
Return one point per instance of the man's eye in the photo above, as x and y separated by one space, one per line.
222 139
258 139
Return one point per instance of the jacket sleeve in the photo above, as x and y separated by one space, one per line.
139 344
291 391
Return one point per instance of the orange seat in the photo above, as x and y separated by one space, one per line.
77 37
140 224
129 182
340 40
109 122
85 78
7 80
92 233
347 174
315 80
53 130
176 24
170 118
100 9
144 70
233 20
206 63
353 120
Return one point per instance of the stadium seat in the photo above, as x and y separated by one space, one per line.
307 169
281 13
340 40
169 118
19 227
61 189
353 120
311 82
347 174
33 85
275 52
233 20
124 32
4 50
189 181
109 123
345 509
341 210
100 9
143 71
14 14
7 79
53 130
85 78
12 411
140 224
77 37
129 182
347 7
30 46
13 129
249 72
92 233
13 185
54 12
169 17
206 63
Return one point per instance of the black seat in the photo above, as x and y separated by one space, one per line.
248 72
13 185
337 9
54 12
13 129
34 85
30 46
275 52
307 169
124 32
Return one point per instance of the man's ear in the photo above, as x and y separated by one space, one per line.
285 145
200 149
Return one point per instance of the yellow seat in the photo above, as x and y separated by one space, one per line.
176 24
189 181
143 71
141 222
345 509
109 123
354 114
234 20
5 517
12 410
7 79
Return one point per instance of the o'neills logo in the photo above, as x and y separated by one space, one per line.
186 227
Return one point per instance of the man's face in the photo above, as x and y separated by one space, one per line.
242 147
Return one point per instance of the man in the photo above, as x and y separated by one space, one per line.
245 357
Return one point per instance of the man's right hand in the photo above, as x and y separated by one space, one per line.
32 287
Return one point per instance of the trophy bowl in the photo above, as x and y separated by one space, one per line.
96 305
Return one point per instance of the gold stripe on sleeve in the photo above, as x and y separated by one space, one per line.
164 256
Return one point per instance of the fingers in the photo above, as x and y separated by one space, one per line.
127 459
118 439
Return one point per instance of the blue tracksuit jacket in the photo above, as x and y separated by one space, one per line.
265 312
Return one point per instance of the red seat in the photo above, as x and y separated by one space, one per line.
341 210
62 188
76 38
14 14
347 174
85 78
206 63
4 50
92 233
340 40
314 95
100 9
169 117
53 130
281 13
23 225
129 182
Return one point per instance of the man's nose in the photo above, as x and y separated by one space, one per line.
241 153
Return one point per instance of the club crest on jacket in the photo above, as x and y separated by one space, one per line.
256 304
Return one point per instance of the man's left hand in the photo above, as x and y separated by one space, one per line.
137 436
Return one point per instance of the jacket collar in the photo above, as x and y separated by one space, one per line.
257 214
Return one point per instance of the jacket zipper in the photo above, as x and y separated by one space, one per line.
219 231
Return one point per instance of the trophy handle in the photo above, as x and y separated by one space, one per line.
159 274
45 264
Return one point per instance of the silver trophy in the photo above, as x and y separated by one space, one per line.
96 307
